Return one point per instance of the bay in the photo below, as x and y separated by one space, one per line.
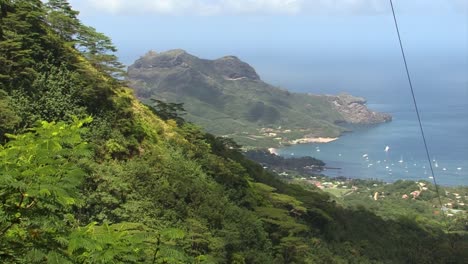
442 97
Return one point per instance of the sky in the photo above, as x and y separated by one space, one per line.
306 45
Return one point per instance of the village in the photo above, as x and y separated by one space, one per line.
454 202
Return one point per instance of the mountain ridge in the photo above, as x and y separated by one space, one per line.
92 175
229 98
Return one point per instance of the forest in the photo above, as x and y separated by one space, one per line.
88 174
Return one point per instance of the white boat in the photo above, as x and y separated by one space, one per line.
387 148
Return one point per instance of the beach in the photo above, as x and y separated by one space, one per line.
306 140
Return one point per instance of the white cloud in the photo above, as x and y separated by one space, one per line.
249 7
195 7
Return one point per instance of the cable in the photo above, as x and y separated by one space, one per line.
416 107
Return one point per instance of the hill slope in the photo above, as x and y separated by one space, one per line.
227 97
126 186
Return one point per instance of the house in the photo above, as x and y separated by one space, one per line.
415 194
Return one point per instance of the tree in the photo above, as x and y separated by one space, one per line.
167 111
5 7
100 51
63 19
8 118
39 185
56 97
18 40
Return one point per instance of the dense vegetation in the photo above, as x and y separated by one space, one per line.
90 175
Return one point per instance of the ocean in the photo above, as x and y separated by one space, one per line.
443 102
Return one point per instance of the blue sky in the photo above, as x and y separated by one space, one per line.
333 44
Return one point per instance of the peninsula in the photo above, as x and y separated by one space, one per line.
228 98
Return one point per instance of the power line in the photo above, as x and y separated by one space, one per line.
416 107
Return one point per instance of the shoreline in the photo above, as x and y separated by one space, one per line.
306 140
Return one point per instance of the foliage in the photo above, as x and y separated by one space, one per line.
8 118
99 51
140 185
63 19
168 111
39 186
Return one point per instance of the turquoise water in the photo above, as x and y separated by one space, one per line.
441 89
361 154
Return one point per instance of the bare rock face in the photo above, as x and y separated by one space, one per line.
231 68
225 68
169 59
354 110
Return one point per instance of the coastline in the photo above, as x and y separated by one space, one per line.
306 140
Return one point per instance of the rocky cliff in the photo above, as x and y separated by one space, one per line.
354 110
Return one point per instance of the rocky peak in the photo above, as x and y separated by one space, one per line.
168 59
232 68
228 67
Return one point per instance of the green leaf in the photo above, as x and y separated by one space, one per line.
55 258
35 256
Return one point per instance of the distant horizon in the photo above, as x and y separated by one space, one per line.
328 47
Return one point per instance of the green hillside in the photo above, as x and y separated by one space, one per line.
228 98
88 174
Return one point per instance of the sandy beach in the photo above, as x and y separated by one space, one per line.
305 141
313 140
